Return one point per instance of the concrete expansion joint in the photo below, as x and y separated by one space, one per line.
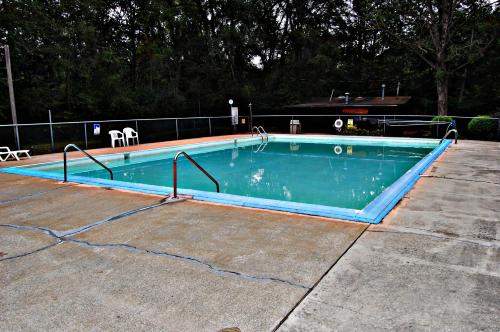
458 179
88 227
193 260
44 230
423 232
311 289
30 252
32 228
39 193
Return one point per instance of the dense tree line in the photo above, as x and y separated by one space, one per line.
141 58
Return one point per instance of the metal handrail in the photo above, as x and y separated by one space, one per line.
260 131
448 133
364 115
263 130
261 147
86 154
256 129
229 116
194 163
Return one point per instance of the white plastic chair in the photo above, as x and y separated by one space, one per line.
6 153
130 134
117 136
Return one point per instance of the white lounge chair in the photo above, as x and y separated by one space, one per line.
6 153
117 136
130 134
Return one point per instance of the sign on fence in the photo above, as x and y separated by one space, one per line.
97 129
234 115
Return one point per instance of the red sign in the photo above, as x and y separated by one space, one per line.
355 110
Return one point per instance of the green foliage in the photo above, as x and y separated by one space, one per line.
354 131
482 127
442 118
93 59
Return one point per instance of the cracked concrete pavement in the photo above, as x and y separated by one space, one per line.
82 258
432 265
85 258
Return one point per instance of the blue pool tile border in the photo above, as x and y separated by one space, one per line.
373 213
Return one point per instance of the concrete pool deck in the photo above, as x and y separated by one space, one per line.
80 258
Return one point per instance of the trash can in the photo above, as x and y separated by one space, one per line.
295 127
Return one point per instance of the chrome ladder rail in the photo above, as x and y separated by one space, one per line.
448 133
177 155
264 132
261 147
261 132
74 146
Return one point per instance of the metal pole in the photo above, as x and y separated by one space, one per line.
65 166
384 125
85 133
210 126
51 132
177 128
136 127
175 177
251 116
11 95
16 135
397 89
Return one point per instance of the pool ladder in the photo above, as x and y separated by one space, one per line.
74 146
448 133
177 155
261 132
261 147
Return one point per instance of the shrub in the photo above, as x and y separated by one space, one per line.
354 131
442 118
482 127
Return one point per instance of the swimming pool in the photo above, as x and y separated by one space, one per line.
350 178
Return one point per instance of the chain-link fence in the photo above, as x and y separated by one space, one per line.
53 137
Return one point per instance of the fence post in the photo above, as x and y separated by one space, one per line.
16 137
85 133
136 126
51 132
498 128
177 128
384 125
210 126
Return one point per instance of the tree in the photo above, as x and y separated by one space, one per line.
138 58
445 34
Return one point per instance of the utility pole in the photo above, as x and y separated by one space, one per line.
11 95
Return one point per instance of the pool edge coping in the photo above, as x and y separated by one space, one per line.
372 213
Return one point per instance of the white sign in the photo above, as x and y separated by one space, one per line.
97 129
234 114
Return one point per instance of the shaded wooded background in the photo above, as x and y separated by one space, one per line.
94 59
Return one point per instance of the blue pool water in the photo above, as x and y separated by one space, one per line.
342 177
298 172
